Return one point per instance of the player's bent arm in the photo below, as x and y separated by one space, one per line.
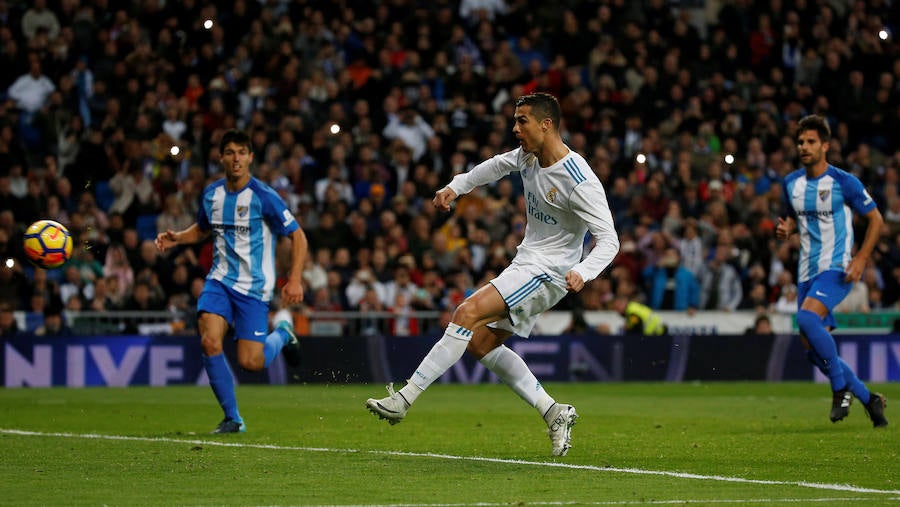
299 249
873 232
589 203
191 235
486 172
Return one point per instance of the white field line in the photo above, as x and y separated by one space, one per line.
765 501
636 471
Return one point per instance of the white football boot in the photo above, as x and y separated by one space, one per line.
393 408
560 419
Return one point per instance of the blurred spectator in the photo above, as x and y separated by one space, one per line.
40 17
670 285
787 301
720 284
762 326
8 325
54 324
408 126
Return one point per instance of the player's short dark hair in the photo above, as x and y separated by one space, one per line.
238 137
817 123
543 105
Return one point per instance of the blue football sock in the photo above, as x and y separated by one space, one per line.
854 384
222 383
813 327
274 343
852 381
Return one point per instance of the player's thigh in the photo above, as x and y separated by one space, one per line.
483 306
822 293
213 316
251 318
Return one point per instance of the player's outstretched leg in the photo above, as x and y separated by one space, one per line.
439 359
875 409
560 419
284 322
393 407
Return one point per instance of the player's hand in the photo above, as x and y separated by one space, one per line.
443 198
574 282
292 293
855 269
166 240
783 229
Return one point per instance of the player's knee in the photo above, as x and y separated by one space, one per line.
465 314
252 363
211 346
807 320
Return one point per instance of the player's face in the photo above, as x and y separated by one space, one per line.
236 160
528 129
810 148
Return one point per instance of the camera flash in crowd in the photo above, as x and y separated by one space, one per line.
883 34
334 129
640 158
729 159
10 263
174 151
208 24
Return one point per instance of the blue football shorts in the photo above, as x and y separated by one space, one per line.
248 315
829 287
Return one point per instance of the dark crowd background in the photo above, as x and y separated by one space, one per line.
111 112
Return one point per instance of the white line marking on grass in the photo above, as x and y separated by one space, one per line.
767 501
636 471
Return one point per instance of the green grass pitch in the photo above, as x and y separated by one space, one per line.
461 445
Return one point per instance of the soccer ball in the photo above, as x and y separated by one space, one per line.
48 244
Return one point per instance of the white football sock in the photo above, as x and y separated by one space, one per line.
513 371
439 359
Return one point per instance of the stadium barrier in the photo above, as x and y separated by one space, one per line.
124 360
428 322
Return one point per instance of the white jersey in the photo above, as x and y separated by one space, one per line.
564 202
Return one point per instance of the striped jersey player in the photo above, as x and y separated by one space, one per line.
565 200
820 200
244 216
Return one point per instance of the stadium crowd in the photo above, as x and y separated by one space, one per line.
110 115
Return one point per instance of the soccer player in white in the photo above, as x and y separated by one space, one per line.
565 200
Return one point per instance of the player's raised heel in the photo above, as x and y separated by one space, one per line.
840 405
229 425
393 408
291 349
875 408
560 419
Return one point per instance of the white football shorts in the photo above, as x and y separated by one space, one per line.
528 291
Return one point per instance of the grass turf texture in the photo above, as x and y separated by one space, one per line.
317 445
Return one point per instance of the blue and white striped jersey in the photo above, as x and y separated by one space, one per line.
245 224
823 208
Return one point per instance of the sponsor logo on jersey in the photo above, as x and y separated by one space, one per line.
534 209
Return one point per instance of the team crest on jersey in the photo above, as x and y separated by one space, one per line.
823 194
242 211
551 195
